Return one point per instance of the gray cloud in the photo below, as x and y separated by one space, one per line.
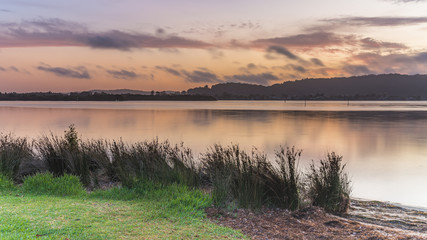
372 43
252 66
282 51
200 77
297 68
324 39
357 69
13 68
405 1
2 69
397 63
57 32
371 22
122 74
169 70
303 40
263 78
76 72
317 62
421 57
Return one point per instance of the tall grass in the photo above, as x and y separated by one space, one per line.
234 176
13 151
252 180
329 186
283 179
155 161
47 184
67 155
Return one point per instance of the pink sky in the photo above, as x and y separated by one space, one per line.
174 45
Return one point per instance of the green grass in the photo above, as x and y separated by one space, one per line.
147 211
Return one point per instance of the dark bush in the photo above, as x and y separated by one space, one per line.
329 186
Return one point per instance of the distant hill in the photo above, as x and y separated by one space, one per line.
369 87
121 91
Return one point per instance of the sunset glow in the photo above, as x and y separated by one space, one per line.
48 45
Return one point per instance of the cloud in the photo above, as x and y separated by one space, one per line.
57 32
293 67
297 68
10 68
370 22
282 51
317 62
169 70
13 68
372 43
357 69
124 41
323 39
4 10
200 77
392 63
263 78
405 1
75 72
316 39
122 74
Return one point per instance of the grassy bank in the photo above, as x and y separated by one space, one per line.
44 207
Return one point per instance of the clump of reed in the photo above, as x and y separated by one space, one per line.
329 186
156 161
13 152
69 155
250 179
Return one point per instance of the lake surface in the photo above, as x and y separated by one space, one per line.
383 143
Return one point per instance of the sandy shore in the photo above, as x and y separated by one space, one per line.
365 220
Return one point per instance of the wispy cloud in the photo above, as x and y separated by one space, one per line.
169 70
406 1
75 72
200 77
57 32
317 62
332 24
322 39
123 74
10 68
282 51
316 39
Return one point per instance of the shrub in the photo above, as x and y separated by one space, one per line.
46 183
329 186
13 151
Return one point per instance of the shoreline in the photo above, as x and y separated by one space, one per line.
365 220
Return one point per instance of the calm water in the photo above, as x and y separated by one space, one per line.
383 143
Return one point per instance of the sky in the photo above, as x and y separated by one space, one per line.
63 46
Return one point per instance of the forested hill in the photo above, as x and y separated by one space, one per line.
369 87
90 96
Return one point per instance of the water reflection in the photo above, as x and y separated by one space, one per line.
385 150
